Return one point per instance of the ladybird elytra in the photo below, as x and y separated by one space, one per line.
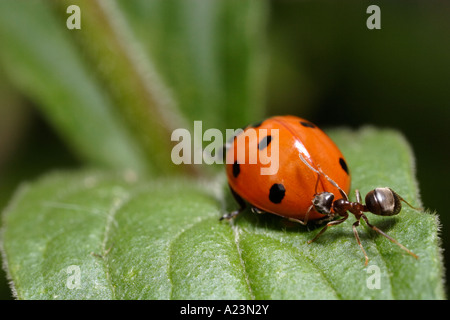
296 183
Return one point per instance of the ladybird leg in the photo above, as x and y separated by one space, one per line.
355 232
257 210
387 236
329 224
234 213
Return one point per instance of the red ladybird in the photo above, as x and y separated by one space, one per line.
311 179
289 191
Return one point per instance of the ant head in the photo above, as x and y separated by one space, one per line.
323 201
383 202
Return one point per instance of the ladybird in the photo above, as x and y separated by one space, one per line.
289 191
311 180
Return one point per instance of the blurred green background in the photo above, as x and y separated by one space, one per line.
314 59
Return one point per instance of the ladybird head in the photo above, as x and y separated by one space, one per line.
323 201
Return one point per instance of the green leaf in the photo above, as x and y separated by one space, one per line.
137 70
46 65
161 239
211 54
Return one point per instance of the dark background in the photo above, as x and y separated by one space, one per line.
330 68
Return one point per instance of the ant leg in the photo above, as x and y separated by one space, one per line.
317 182
234 213
358 196
305 220
389 237
329 224
320 172
356 224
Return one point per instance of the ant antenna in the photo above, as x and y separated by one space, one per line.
320 172
412 207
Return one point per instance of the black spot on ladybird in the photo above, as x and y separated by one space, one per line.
307 124
343 165
264 142
236 169
276 193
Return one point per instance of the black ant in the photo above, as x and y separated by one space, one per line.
380 201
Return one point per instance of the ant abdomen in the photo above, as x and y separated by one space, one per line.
383 202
